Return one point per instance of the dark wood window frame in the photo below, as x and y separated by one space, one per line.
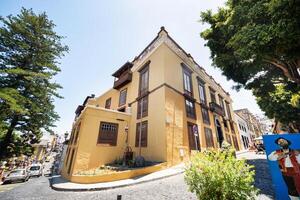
68 155
187 84
72 136
228 110
144 134
209 137
192 137
235 142
205 115
225 124
108 133
143 90
77 133
221 101
122 99
145 101
212 94
228 138
108 103
201 84
190 108
71 161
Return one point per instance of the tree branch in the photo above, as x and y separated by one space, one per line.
284 69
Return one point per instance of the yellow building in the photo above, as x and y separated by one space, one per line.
162 95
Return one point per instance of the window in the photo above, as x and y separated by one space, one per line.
221 103
205 116
232 127
144 80
143 130
190 109
228 138
225 124
235 142
108 133
142 109
201 88
187 81
122 99
71 161
212 95
209 137
68 154
77 133
193 136
108 103
72 136
228 110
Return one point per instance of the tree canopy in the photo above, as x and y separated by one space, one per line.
29 53
257 45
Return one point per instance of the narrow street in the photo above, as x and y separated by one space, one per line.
168 188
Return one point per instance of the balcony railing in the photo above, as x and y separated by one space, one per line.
123 80
216 108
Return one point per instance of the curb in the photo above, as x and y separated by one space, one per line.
110 187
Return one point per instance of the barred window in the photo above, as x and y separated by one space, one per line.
108 133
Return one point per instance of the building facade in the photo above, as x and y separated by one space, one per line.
163 106
246 134
252 122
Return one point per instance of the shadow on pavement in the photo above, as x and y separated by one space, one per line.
263 179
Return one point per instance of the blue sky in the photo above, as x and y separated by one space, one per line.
103 35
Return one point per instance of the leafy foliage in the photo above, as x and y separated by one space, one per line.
256 44
29 49
215 175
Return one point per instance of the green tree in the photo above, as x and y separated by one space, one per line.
256 44
29 50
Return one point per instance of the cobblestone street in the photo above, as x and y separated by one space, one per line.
169 188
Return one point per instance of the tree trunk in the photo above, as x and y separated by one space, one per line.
8 138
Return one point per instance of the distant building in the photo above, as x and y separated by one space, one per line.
40 149
267 125
252 122
246 135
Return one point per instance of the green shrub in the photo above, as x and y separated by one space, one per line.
216 175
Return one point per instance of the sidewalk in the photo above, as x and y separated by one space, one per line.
60 184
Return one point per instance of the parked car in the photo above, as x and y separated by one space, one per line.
47 172
36 170
16 175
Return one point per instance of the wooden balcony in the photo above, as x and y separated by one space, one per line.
123 80
216 108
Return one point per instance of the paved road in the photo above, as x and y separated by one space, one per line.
172 188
